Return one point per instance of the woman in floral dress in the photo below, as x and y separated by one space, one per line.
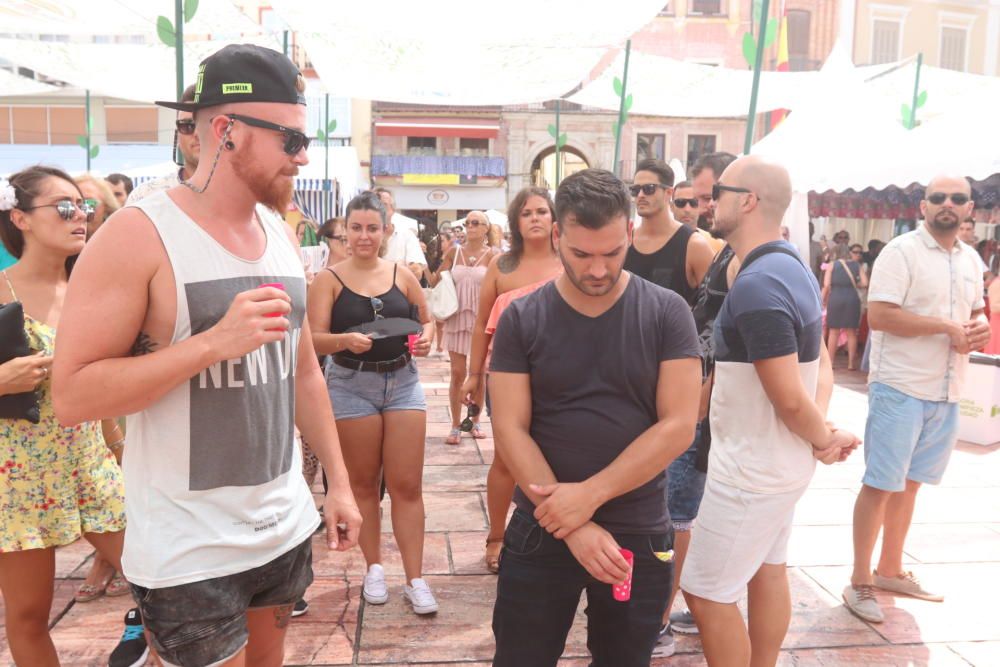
56 483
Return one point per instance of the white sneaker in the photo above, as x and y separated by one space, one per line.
374 589
665 646
420 596
906 584
860 600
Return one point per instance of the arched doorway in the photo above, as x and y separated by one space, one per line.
543 168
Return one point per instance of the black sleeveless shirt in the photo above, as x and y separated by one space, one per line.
667 267
351 309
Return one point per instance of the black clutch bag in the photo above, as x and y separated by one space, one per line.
13 344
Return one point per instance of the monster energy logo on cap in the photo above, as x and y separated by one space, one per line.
201 81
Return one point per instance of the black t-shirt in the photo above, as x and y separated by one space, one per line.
593 385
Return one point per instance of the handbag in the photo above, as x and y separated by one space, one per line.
444 298
13 344
854 284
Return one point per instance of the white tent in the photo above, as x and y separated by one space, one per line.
460 52
853 137
15 84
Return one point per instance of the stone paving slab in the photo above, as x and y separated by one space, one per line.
954 545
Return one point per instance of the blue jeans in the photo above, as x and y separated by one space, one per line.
685 486
538 592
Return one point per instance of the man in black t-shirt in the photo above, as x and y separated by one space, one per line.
594 382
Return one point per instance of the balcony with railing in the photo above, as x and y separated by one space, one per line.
483 166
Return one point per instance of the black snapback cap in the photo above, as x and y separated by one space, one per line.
244 73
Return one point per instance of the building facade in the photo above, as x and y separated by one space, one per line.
958 35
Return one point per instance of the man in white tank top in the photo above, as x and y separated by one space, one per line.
168 321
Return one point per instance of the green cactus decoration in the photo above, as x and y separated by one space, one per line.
750 42
560 140
907 114
323 135
165 28
619 89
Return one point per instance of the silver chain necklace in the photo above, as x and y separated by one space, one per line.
215 163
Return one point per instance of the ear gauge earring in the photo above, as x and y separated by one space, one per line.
229 145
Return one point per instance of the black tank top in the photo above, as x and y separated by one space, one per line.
351 309
667 267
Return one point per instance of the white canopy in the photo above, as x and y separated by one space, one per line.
459 52
15 84
852 137
116 18
142 72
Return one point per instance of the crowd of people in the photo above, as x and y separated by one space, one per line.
669 460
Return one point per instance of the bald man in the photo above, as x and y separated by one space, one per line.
926 313
773 382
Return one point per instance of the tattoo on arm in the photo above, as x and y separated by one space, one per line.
507 263
282 615
143 344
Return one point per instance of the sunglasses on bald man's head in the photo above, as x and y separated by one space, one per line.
957 198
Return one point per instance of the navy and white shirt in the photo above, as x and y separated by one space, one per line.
772 310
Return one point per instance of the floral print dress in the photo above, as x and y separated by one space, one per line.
55 483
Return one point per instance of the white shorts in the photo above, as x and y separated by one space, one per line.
736 532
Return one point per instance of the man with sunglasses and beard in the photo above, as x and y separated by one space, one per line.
185 145
684 206
188 314
926 313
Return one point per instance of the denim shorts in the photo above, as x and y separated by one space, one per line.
204 622
685 486
906 438
356 394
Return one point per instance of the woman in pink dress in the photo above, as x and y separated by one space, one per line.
531 262
467 263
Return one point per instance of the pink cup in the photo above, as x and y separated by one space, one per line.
280 286
411 341
623 592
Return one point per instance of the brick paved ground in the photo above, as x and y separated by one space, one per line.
954 546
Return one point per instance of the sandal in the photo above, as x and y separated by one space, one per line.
118 586
477 432
88 592
493 559
454 438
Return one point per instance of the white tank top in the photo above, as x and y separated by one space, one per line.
213 474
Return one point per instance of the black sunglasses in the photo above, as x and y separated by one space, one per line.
474 223
957 198
67 209
467 424
856 252
377 306
341 239
646 189
185 126
719 188
294 140
682 203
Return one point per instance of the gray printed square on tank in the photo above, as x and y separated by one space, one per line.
243 409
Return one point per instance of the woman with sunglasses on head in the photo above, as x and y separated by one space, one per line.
57 483
531 263
376 394
468 264
845 277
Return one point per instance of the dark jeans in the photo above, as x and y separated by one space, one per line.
538 593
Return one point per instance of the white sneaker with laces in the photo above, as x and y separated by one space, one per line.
665 646
419 595
374 590
860 600
905 583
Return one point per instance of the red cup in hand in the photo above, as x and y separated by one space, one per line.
411 342
623 592
280 286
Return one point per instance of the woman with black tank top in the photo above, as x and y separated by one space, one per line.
376 394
